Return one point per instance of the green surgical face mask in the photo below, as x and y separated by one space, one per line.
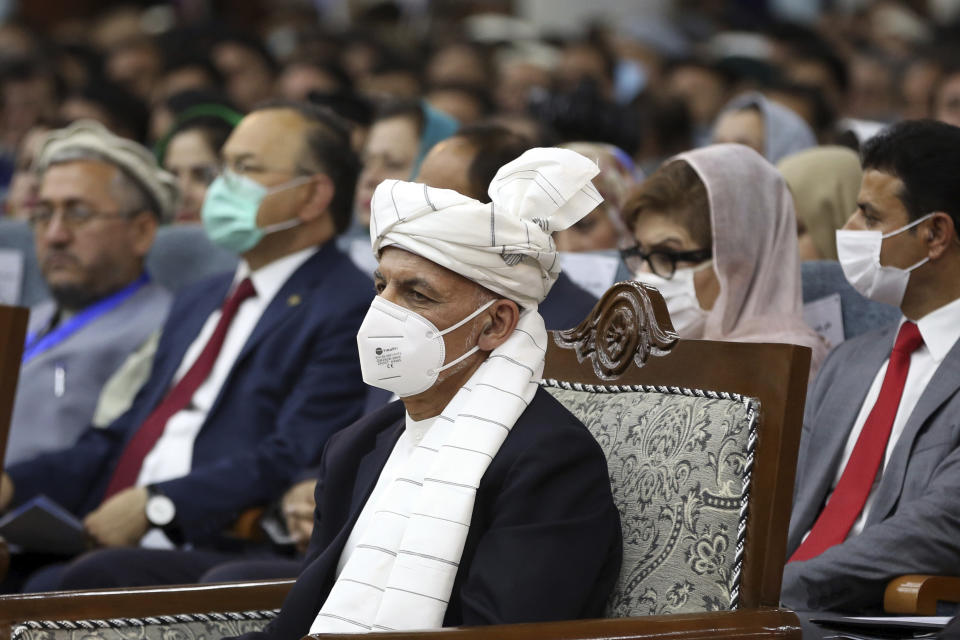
230 211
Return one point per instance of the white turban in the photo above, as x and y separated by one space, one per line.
505 246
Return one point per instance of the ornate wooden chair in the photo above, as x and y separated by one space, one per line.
701 440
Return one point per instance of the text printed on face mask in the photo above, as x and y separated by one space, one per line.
387 357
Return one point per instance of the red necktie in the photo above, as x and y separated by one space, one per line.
143 441
844 506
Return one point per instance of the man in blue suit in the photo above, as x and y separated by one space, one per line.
254 370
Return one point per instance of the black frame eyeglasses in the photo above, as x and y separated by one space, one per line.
662 262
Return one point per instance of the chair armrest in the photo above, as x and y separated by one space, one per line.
748 623
919 594
141 602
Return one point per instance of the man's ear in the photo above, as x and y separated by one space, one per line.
319 197
502 317
940 235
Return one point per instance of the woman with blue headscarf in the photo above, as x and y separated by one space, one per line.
399 138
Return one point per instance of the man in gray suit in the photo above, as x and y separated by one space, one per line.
878 477
101 199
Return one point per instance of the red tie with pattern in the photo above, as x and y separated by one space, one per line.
844 506
142 442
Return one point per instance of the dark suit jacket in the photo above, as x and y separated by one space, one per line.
296 381
914 522
544 542
567 305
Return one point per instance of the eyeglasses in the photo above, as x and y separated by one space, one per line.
73 216
662 262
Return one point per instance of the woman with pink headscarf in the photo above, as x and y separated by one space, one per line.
716 233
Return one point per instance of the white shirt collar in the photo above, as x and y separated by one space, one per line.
940 329
270 278
418 429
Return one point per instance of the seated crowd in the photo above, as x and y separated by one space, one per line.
367 374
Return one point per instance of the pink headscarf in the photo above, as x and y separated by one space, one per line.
755 258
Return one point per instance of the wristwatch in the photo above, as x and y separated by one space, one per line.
160 509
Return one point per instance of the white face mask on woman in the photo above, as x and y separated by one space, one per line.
403 352
681 296
859 256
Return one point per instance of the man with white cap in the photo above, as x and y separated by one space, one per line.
101 198
477 498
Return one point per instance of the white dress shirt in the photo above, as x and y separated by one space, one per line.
411 437
172 455
940 329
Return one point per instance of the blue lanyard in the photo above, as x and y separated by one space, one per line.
35 346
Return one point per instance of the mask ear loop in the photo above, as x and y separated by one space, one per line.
910 226
286 224
470 317
469 353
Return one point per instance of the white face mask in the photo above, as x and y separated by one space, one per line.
681 296
859 255
403 352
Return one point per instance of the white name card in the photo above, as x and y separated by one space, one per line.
826 318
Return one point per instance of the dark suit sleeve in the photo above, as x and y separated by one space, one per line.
67 476
329 395
552 550
922 536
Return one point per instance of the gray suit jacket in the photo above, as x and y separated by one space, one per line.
44 421
914 523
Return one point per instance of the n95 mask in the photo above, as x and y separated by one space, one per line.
859 255
403 352
680 294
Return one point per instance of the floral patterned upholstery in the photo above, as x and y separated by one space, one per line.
211 626
679 464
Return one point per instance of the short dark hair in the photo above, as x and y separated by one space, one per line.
494 146
676 190
925 156
350 106
125 109
251 43
181 60
721 73
328 149
330 67
402 108
479 95
23 69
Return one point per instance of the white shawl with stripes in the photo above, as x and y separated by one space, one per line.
400 575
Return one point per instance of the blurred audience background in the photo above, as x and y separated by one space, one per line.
652 79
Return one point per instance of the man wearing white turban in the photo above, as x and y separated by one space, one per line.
478 499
